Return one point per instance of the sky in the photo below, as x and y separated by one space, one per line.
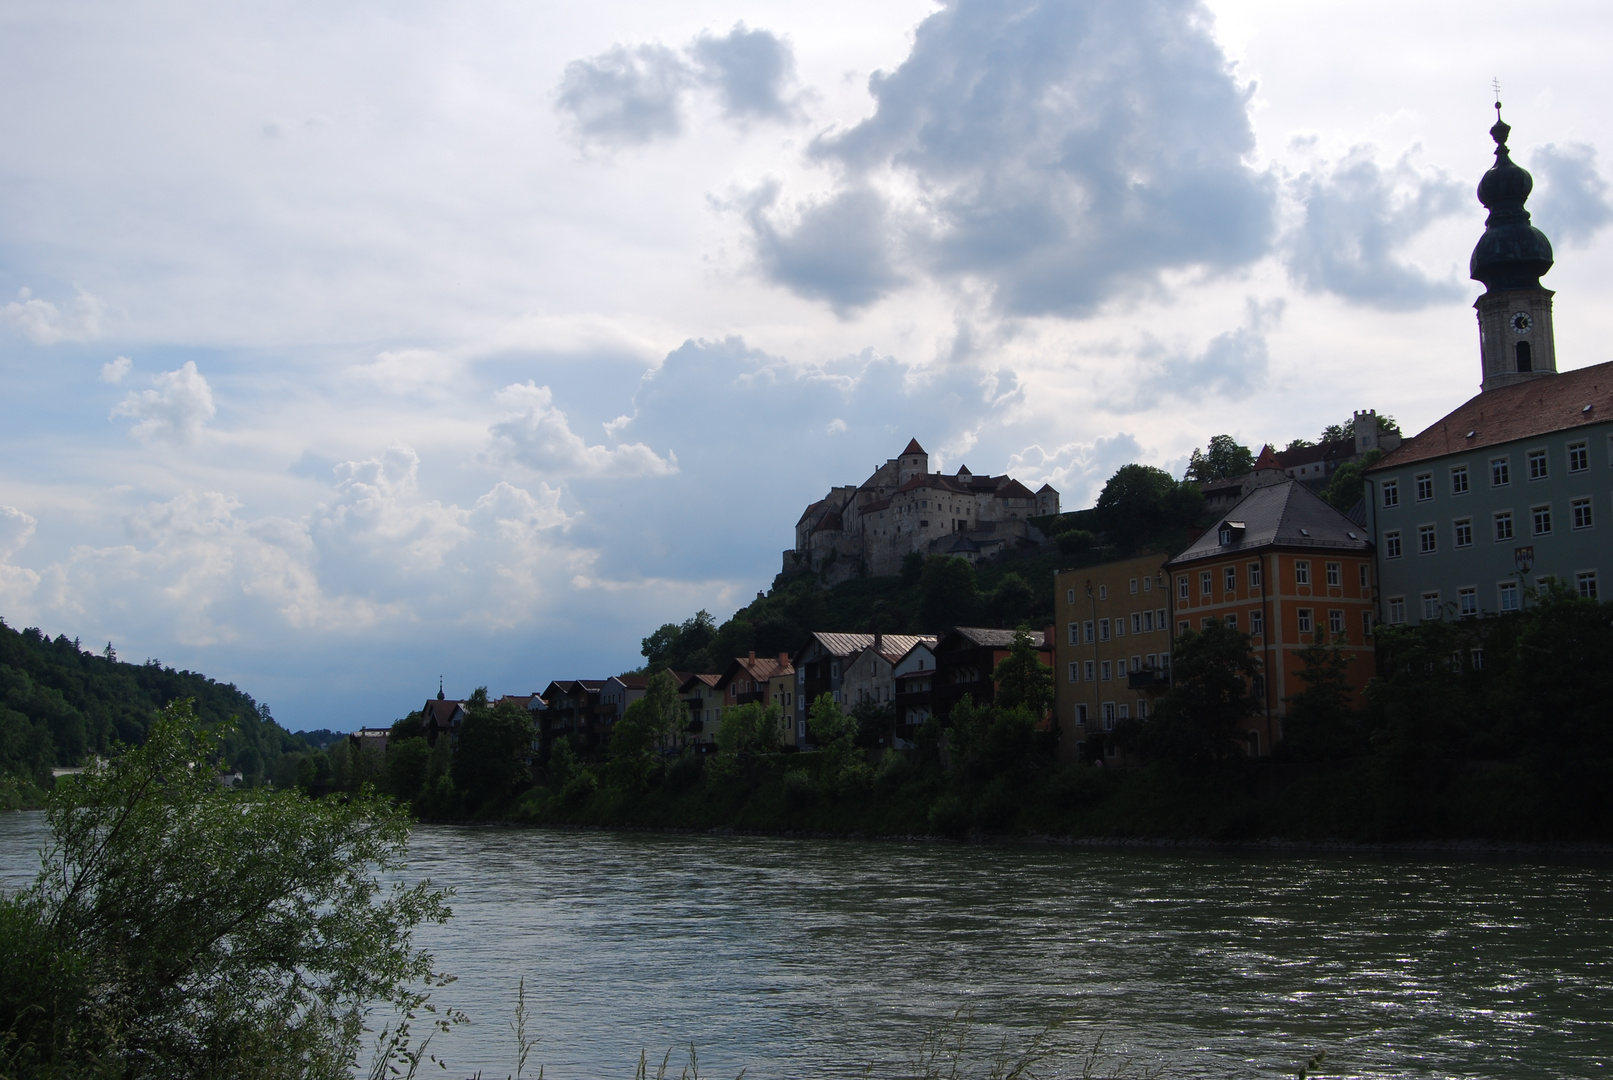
350 345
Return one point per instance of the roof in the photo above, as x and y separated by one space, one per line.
831 522
913 447
1331 450
847 644
1543 406
1047 487
760 668
632 682
877 504
1014 490
1283 515
688 684
1267 459
990 638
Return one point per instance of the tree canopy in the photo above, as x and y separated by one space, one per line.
1224 457
1140 502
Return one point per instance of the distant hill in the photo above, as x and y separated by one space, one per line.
60 705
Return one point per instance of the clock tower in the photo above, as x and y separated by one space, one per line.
1515 337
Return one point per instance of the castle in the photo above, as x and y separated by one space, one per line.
903 509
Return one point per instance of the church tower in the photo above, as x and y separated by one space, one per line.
1515 336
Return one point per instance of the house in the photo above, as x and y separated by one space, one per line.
868 682
1112 658
441 716
820 666
913 675
903 509
705 701
768 680
1313 466
1283 567
966 659
1510 491
571 709
620 691
374 739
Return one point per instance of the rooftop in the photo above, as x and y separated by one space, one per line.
1283 515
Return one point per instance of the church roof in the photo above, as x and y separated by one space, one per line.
913 447
1512 254
1285 515
1543 406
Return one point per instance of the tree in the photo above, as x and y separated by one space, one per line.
1023 681
1199 720
495 746
1224 457
749 729
1140 502
1321 721
1346 486
180 929
1345 432
648 728
947 592
681 645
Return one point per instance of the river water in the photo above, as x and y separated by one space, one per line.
797 958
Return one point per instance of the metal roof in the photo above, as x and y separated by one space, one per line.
1283 515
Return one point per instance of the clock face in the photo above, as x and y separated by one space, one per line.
1521 322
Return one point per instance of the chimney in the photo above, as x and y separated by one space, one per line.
783 658
1047 636
752 656
879 641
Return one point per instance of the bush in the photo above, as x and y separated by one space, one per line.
799 790
949 816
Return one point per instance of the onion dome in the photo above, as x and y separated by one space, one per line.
1512 254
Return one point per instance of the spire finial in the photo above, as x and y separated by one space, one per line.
439 688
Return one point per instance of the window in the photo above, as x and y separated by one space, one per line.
1232 621
1257 622
1087 631
1476 657
1148 584
1526 361
1142 709
1181 587
1391 544
1069 596
1075 671
1541 516
1103 629
1425 486
1108 716
1075 633
1229 579
1397 610
1165 662
1081 715
1206 622
1427 542
1335 573
1508 591
1120 627
1257 687
1335 622
1088 668
1500 472
1183 627
1254 575
1579 456
1537 465
1108 671
1391 493
1148 621
1459 480
1306 623
1363 568
1467 601
1120 667
1366 624
1125 711
1204 583
1582 513
1103 592
1136 623
1159 618
1302 572
1431 605
1136 663
1463 530
1586 580
1151 661
1503 526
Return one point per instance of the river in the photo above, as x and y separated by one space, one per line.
796 958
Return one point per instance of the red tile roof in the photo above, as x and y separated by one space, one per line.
1267 459
1543 406
913 447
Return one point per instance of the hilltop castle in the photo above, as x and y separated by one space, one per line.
904 508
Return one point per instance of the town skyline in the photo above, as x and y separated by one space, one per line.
408 348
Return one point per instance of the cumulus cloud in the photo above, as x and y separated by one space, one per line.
113 371
44 323
1359 218
1571 204
1060 153
408 371
16 526
840 251
634 95
1078 470
173 411
535 433
1232 364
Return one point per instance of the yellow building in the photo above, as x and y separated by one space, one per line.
1113 650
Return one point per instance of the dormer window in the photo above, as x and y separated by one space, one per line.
1231 532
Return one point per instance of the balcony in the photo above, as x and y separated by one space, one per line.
1149 679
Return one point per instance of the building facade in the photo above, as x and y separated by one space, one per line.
1112 650
1514 489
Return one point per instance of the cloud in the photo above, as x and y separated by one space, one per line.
113 371
173 412
1358 221
635 95
408 371
1232 365
1572 206
750 70
1060 153
1077 470
839 251
43 323
536 434
16 527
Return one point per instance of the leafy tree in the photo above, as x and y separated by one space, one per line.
1023 681
409 727
1140 502
1346 486
181 930
648 728
876 722
749 729
495 746
406 770
1345 432
1321 721
1013 599
683 646
948 595
1074 541
1199 720
1224 457
834 733
1299 444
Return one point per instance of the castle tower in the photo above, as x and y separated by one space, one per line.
913 462
1515 336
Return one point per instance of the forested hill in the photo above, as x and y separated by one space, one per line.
60 705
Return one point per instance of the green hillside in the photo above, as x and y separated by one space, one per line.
61 705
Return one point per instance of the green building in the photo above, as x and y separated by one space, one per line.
1515 487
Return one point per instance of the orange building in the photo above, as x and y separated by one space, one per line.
1281 566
